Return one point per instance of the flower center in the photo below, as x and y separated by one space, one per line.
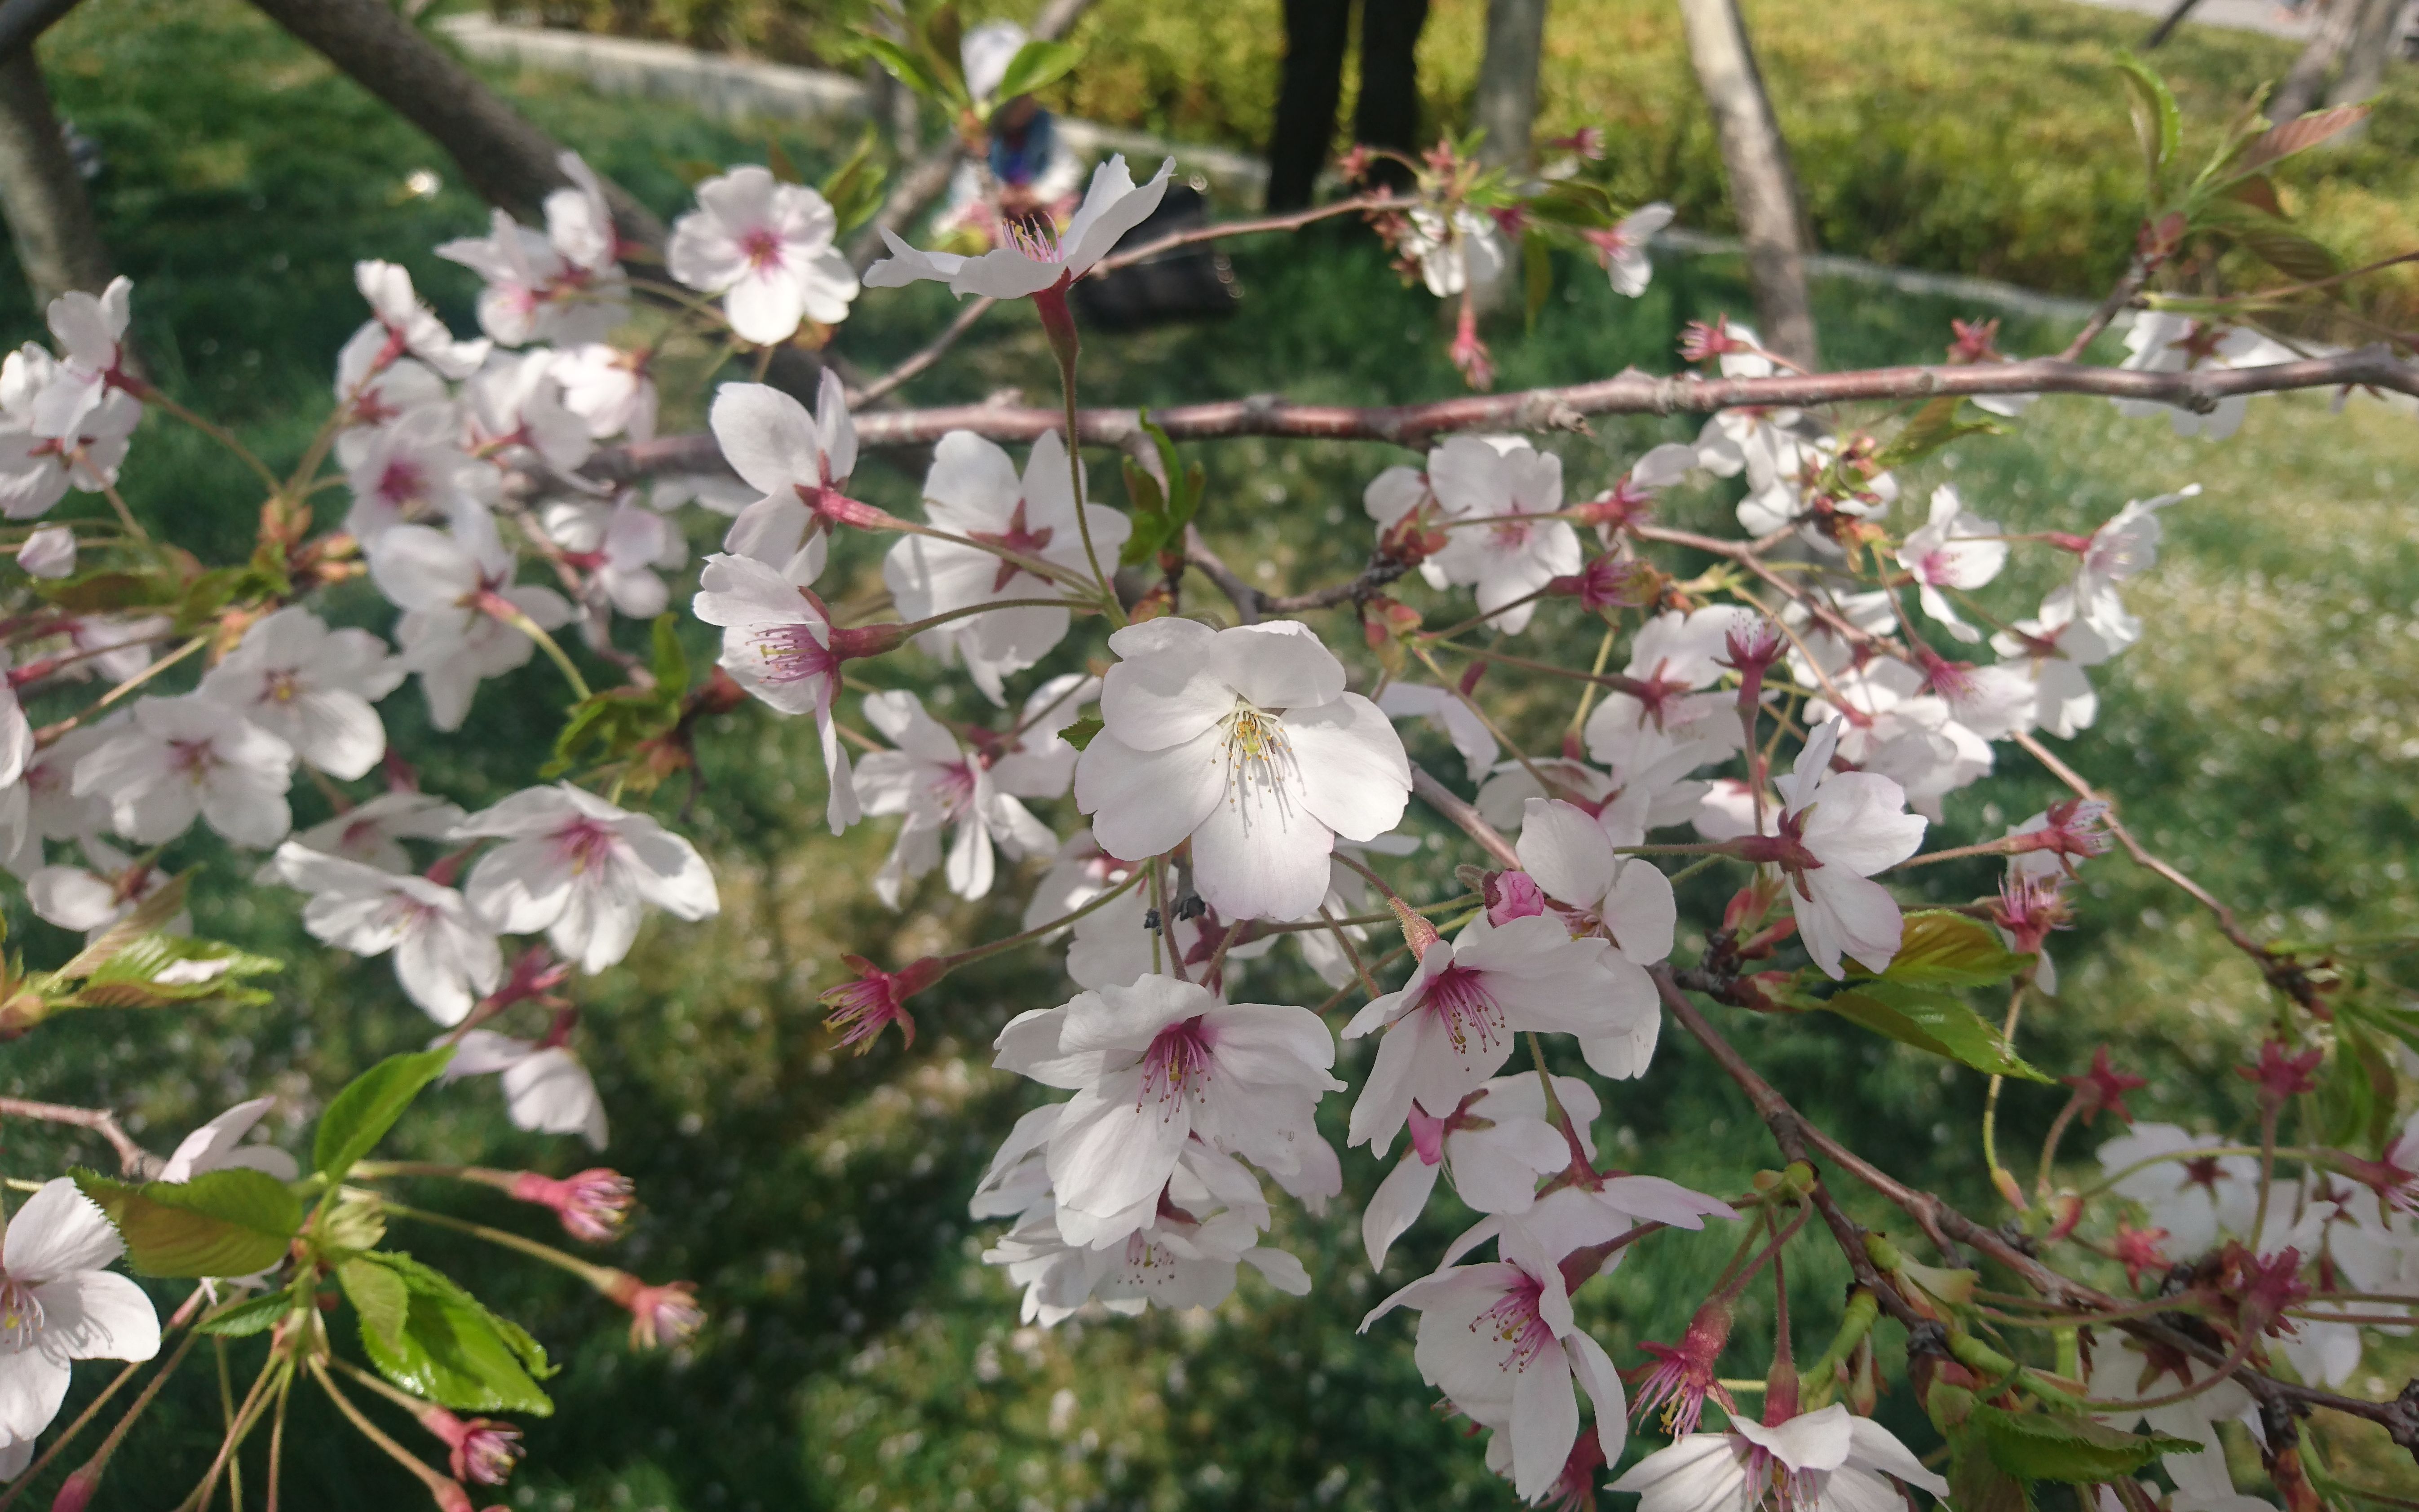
954 786
1516 1322
791 654
1459 998
584 845
1178 1063
1036 238
1511 535
281 686
193 759
21 1314
403 482
762 248
1017 538
1258 756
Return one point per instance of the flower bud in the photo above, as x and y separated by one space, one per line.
593 1205
1512 895
75 1492
659 1316
50 551
478 1450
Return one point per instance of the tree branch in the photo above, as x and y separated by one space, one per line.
1566 409
132 1159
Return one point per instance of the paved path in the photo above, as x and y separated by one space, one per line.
2240 15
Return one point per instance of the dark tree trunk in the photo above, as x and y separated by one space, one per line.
1387 111
1505 102
1308 87
50 220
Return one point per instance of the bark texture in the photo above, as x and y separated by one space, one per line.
1764 188
1506 101
50 219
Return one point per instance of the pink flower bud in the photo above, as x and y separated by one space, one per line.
1683 1376
478 1450
861 1010
75 1492
1512 895
594 1204
1470 354
659 1316
1700 341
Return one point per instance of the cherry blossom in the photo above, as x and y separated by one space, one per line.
516 403
780 645
91 331
799 463
412 471
1496 1143
1501 478
2056 653
1623 249
60 1304
48 551
2161 341
766 248
184 758
219 1145
1892 726
938 783
623 550
1450 1027
523 275
579 218
1034 261
1945 553
1825 1460
2190 1196
1837 829
2126 544
583 871
1244 741
455 586
311 686
973 491
38 467
1160 1063
1453 250
1499 1340
98 894
547 1090
371 832
608 388
410 327
445 954
1627 900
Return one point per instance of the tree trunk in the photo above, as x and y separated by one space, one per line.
1764 189
1505 102
2309 75
49 217
2366 55
2167 25
1386 114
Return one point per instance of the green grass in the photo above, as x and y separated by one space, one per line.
860 1355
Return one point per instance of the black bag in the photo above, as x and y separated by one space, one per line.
1191 282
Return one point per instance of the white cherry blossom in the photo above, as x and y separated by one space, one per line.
1454 251
939 782
778 644
1826 1460
2126 544
1496 1144
91 331
2161 341
180 758
800 463
48 551
1624 900
445 955
1244 741
450 585
526 279
60 1304
411 470
2056 653
609 390
106 889
1451 1027
372 831
410 327
583 871
1849 825
1501 479
219 1145
1499 1340
515 403
547 1090
1623 249
766 248
973 490
1157 1065
1456 718
1035 262
38 467
622 549
311 686
2193 1195
1944 552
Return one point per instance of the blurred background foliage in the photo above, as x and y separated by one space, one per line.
858 1356
1984 137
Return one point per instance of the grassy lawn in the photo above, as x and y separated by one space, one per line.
861 1356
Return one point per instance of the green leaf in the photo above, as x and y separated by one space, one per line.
855 188
258 1316
1574 204
437 1341
777 162
2357 1098
1931 1021
221 1223
359 1115
668 661
905 66
1037 65
2158 124
2048 1446
2296 256
1080 733
2281 142
1939 948
158 970
1930 428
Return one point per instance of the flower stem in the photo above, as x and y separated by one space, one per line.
595 1276
1075 476
498 607
437 1484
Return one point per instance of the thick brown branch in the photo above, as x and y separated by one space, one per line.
132 1159
1565 409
